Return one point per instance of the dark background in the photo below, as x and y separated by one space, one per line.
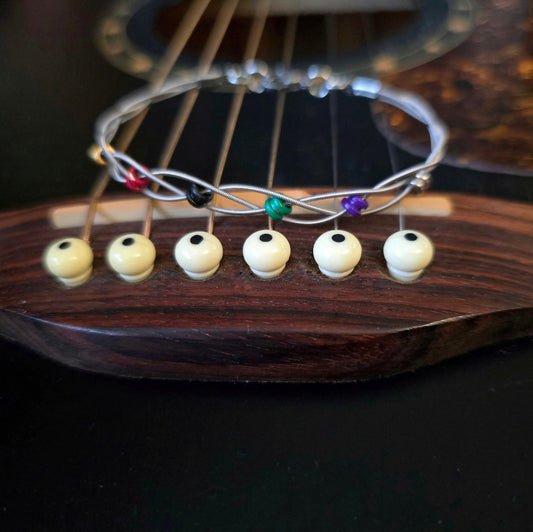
446 448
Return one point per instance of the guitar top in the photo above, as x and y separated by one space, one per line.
302 326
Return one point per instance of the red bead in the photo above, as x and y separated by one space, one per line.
134 182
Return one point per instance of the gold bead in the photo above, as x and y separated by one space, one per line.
95 153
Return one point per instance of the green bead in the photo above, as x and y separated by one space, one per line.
276 208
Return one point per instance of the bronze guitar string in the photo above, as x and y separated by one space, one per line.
176 45
207 57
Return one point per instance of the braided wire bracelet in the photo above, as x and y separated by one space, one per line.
124 169
266 252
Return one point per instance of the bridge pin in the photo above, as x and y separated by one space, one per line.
266 253
337 253
199 254
407 254
70 260
131 257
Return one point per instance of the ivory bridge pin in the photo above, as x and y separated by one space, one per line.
131 257
199 254
69 260
267 253
337 253
407 254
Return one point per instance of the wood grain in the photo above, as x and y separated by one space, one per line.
483 91
297 327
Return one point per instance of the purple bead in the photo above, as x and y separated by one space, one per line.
354 205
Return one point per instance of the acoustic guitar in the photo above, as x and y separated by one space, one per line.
300 326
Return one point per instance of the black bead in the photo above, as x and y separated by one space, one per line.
198 198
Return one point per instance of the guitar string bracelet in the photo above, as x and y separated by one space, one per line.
132 256
200 193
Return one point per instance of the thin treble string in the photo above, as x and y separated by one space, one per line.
394 165
250 52
223 19
176 45
369 32
286 58
331 30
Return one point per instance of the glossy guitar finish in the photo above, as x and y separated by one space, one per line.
300 326
483 89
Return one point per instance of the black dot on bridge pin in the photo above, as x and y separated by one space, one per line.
196 239
337 237
64 245
410 236
265 237
128 241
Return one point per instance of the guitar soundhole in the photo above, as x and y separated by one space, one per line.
369 41
354 33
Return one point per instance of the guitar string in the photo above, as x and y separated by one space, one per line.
331 28
368 33
286 59
394 166
252 45
214 40
175 47
360 86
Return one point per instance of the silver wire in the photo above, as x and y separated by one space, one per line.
401 217
331 31
394 166
403 182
